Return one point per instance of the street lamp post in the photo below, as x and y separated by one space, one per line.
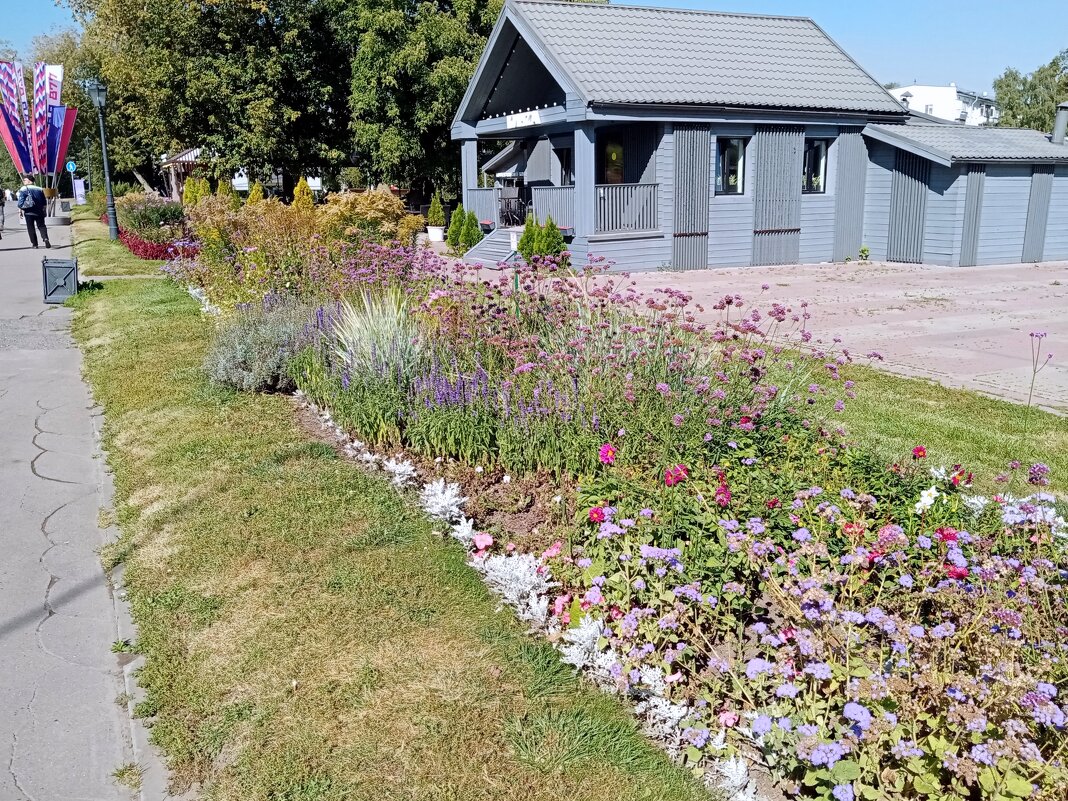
98 93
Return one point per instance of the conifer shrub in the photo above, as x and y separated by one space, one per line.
436 214
456 227
302 195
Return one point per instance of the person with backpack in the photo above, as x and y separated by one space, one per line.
4 197
33 204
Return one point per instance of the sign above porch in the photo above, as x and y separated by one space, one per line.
523 119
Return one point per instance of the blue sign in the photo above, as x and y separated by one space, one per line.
71 166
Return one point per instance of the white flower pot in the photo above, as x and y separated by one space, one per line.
436 233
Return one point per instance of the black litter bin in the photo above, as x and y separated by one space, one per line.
60 279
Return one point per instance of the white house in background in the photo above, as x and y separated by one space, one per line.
949 103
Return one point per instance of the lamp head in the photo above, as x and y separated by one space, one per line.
98 92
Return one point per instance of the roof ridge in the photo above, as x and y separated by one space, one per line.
661 9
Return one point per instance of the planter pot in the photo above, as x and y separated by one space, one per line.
435 233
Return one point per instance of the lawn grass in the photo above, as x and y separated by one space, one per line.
894 414
308 636
98 256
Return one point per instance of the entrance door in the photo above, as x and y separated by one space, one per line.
689 249
908 207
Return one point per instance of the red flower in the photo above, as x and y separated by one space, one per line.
676 475
774 503
919 452
596 515
723 493
947 534
955 572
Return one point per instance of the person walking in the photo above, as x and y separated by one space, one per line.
5 196
32 202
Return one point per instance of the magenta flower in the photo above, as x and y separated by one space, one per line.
607 453
676 475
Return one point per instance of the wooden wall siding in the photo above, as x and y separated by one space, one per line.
539 170
730 220
779 150
1037 212
1057 225
1006 193
877 199
908 207
945 214
850 178
635 254
485 203
973 214
665 171
818 228
692 177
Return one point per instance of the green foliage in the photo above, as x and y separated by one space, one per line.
302 195
551 242
150 217
528 241
456 227
352 216
225 191
471 234
864 253
436 214
352 178
1030 100
255 194
196 189
409 228
251 350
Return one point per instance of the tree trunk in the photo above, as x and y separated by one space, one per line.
143 182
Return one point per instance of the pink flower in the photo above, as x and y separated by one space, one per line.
727 718
553 550
561 604
919 452
596 515
607 454
676 475
483 541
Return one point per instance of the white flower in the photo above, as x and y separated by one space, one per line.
437 460
442 501
478 469
403 472
464 531
926 501
506 480
557 499
976 503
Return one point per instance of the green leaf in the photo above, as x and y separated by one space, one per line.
1017 785
925 785
845 771
693 754
987 779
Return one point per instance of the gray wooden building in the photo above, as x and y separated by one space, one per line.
664 138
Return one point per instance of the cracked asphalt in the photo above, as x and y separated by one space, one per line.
62 730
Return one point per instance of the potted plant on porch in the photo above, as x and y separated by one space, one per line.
435 220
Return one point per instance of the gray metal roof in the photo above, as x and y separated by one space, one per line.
951 144
637 55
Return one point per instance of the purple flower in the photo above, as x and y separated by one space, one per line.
943 630
802 535
858 713
787 690
843 792
757 666
761 725
917 631
924 542
818 670
906 581
827 754
906 749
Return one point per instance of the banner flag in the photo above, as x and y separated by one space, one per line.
54 83
64 138
40 116
27 120
56 115
13 141
79 191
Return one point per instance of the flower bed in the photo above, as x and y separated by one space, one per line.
155 251
756 583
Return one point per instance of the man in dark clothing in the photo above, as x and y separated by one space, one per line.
32 202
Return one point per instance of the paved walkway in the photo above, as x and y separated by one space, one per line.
62 734
961 326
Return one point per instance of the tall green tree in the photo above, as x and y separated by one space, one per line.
1029 100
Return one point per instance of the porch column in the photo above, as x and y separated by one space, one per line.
468 168
585 157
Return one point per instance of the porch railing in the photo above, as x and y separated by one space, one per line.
626 207
557 202
485 203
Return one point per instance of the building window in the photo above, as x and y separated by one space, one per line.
613 162
814 176
567 169
928 109
730 166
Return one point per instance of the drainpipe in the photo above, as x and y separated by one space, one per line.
1060 124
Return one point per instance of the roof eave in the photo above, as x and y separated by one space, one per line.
862 115
910 145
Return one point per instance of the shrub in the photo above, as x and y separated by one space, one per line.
151 217
97 202
528 241
551 242
436 214
252 348
302 195
255 194
225 191
351 178
409 227
361 215
471 233
456 227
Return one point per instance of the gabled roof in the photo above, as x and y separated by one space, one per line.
634 55
952 144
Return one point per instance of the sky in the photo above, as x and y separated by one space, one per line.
907 41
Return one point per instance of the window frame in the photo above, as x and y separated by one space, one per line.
723 144
810 142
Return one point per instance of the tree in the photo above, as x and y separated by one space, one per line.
255 194
471 234
1030 100
528 241
456 227
551 242
302 195
225 191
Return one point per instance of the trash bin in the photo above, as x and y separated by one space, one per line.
60 279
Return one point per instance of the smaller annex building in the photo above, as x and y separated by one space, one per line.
669 138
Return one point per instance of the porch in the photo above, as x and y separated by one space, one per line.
619 208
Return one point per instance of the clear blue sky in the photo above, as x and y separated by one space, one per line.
933 41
